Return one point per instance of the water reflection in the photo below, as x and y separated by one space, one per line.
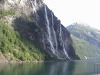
60 68
50 68
21 69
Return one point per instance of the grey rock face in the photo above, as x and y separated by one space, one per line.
54 36
45 30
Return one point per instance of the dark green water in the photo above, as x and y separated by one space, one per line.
83 67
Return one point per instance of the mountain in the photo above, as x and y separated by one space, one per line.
86 40
30 31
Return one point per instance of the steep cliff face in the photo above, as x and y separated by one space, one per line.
37 23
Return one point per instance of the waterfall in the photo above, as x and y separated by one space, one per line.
49 31
63 43
34 6
54 33
55 37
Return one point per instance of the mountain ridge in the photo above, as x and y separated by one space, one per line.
89 35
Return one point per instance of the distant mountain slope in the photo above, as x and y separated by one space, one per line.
85 50
86 40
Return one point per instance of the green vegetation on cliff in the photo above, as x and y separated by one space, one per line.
14 47
4 13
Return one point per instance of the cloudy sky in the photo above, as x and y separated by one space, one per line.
71 11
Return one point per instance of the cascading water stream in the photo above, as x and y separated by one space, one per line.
54 33
49 31
63 43
55 37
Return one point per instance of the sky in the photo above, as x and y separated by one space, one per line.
81 11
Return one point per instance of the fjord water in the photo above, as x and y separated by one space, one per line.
83 67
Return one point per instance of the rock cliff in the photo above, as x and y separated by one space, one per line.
34 21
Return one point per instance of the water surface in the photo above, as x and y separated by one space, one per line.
83 67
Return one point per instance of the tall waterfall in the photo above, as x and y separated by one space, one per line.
49 31
55 37
63 43
54 33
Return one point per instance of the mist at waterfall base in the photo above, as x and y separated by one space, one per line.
81 11
82 67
